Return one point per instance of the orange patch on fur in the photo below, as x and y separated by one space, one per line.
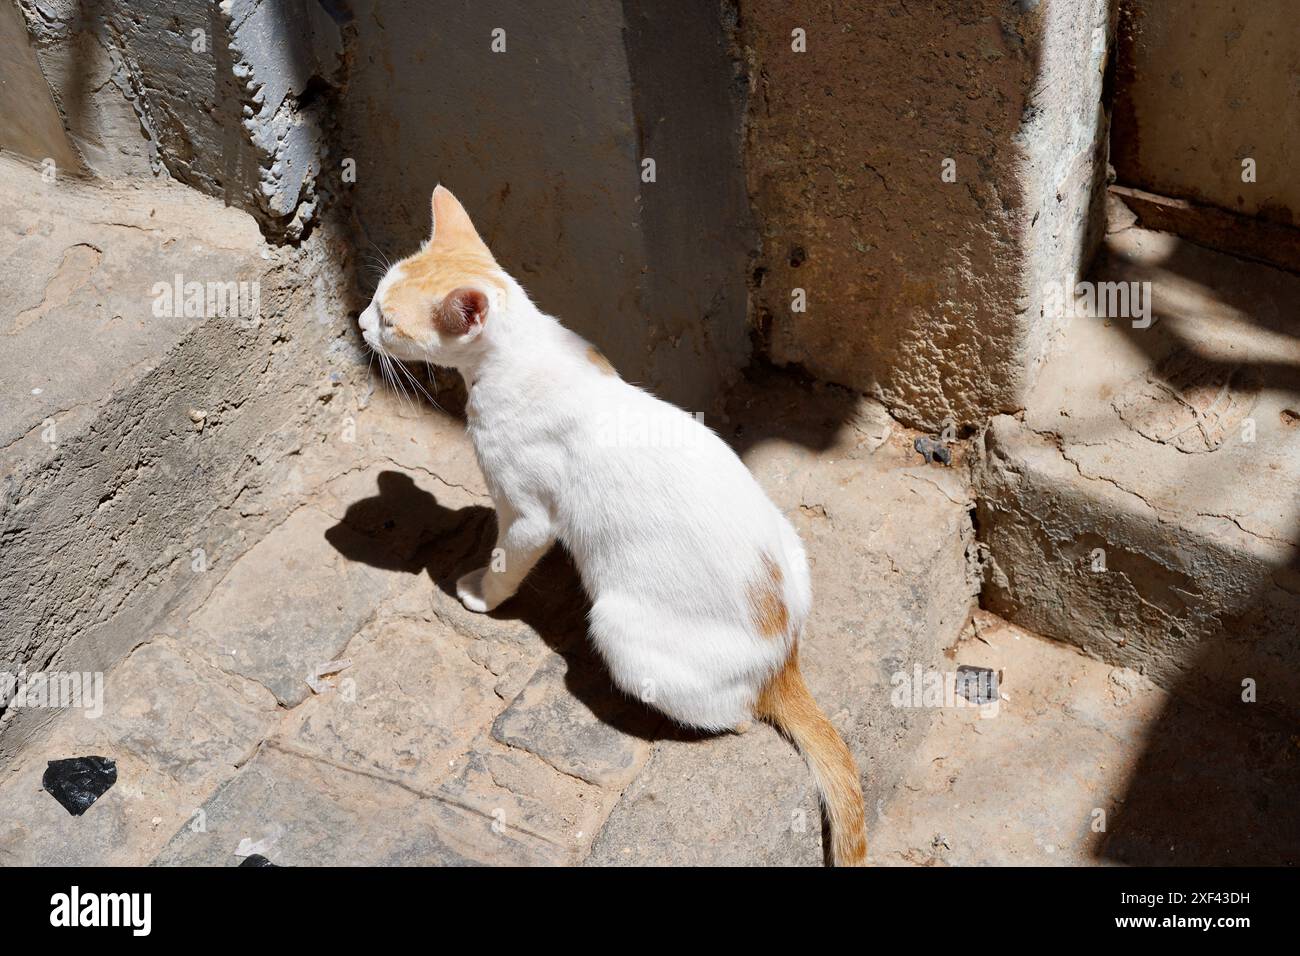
441 268
597 358
429 276
455 258
767 602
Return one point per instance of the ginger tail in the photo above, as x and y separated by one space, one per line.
785 702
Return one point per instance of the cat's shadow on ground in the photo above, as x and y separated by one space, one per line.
403 528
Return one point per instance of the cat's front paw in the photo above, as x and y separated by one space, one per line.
473 594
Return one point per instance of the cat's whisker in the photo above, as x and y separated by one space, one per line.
383 367
374 245
395 372
384 371
393 378
410 377
382 257
376 267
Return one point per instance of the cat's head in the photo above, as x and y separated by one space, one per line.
433 306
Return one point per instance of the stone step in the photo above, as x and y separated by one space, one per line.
1143 506
81 316
126 422
1083 764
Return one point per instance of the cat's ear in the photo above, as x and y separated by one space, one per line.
451 223
462 313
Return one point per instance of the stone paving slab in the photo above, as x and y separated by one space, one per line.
175 728
265 621
571 716
407 707
189 721
304 813
730 800
518 790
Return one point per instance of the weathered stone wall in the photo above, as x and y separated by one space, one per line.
286 108
1203 86
32 126
226 98
543 140
923 292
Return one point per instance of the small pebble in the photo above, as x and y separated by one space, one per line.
932 451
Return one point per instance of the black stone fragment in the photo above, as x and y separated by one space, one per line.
256 860
933 451
979 685
77 782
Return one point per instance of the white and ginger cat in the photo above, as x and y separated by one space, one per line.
699 585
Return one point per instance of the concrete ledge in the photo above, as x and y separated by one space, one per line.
1142 508
1258 239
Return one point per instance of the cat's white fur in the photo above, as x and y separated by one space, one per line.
679 548
666 525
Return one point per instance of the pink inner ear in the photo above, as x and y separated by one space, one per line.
462 310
